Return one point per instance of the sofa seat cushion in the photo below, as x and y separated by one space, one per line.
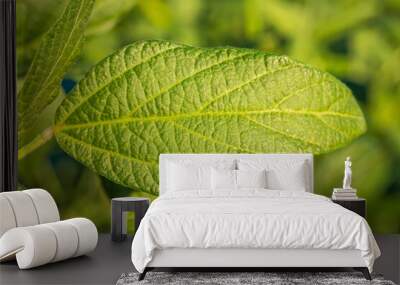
40 244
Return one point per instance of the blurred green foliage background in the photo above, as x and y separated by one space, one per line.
356 40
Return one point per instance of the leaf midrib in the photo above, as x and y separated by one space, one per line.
227 93
61 127
44 82
90 146
23 122
137 160
131 158
66 44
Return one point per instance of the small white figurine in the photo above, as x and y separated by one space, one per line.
347 174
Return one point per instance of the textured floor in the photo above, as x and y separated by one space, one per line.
106 264
250 278
103 266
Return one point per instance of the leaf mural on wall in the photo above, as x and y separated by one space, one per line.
157 97
107 13
57 51
33 21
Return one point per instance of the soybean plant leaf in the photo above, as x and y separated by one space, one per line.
157 97
157 12
339 17
285 17
58 49
33 21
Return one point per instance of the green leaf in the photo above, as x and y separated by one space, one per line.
57 51
107 13
33 20
340 17
31 173
285 17
89 200
253 18
157 97
157 12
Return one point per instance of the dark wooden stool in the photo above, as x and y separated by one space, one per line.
119 207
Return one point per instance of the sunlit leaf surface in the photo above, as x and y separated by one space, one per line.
157 97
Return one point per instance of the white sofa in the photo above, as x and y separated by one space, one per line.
31 231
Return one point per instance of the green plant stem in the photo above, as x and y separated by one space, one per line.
38 141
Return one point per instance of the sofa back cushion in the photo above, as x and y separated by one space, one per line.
26 208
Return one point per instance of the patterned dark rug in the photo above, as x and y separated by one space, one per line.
230 278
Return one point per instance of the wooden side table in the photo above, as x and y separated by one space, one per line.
358 205
119 207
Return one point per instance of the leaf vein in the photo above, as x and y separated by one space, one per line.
106 151
55 65
296 92
114 78
204 114
191 76
280 132
196 133
227 93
